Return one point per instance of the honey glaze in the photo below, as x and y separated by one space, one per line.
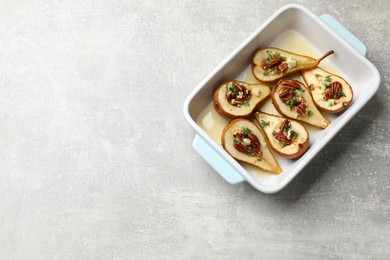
213 124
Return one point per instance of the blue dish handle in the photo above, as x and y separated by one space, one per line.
344 33
217 161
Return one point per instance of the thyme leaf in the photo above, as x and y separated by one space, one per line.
264 123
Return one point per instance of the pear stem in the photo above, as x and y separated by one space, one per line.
325 55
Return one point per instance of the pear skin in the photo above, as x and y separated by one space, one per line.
330 92
258 93
244 141
271 64
292 99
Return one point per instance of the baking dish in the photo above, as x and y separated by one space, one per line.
324 33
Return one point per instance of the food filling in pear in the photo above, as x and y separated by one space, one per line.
244 141
286 135
275 63
291 95
234 99
237 94
292 99
270 64
330 92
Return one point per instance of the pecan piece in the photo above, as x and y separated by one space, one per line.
334 91
282 67
277 70
285 124
229 96
265 65
281 137
257 153
239 135
289 83
301 109
276 61
255 142
236 102
238 86
272 63
241 147
284 92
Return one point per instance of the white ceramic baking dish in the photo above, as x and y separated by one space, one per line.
324 33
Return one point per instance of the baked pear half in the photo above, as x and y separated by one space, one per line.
234 99
287 137
271 64
244 141
292 99
330 92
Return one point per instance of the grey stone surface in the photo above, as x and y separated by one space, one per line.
96 159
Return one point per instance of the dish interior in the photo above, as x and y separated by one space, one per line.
294 30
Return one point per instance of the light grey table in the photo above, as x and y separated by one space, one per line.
96 159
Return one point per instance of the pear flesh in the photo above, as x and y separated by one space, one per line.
271 64
244 141
243 107
295 138
297 104
331 93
